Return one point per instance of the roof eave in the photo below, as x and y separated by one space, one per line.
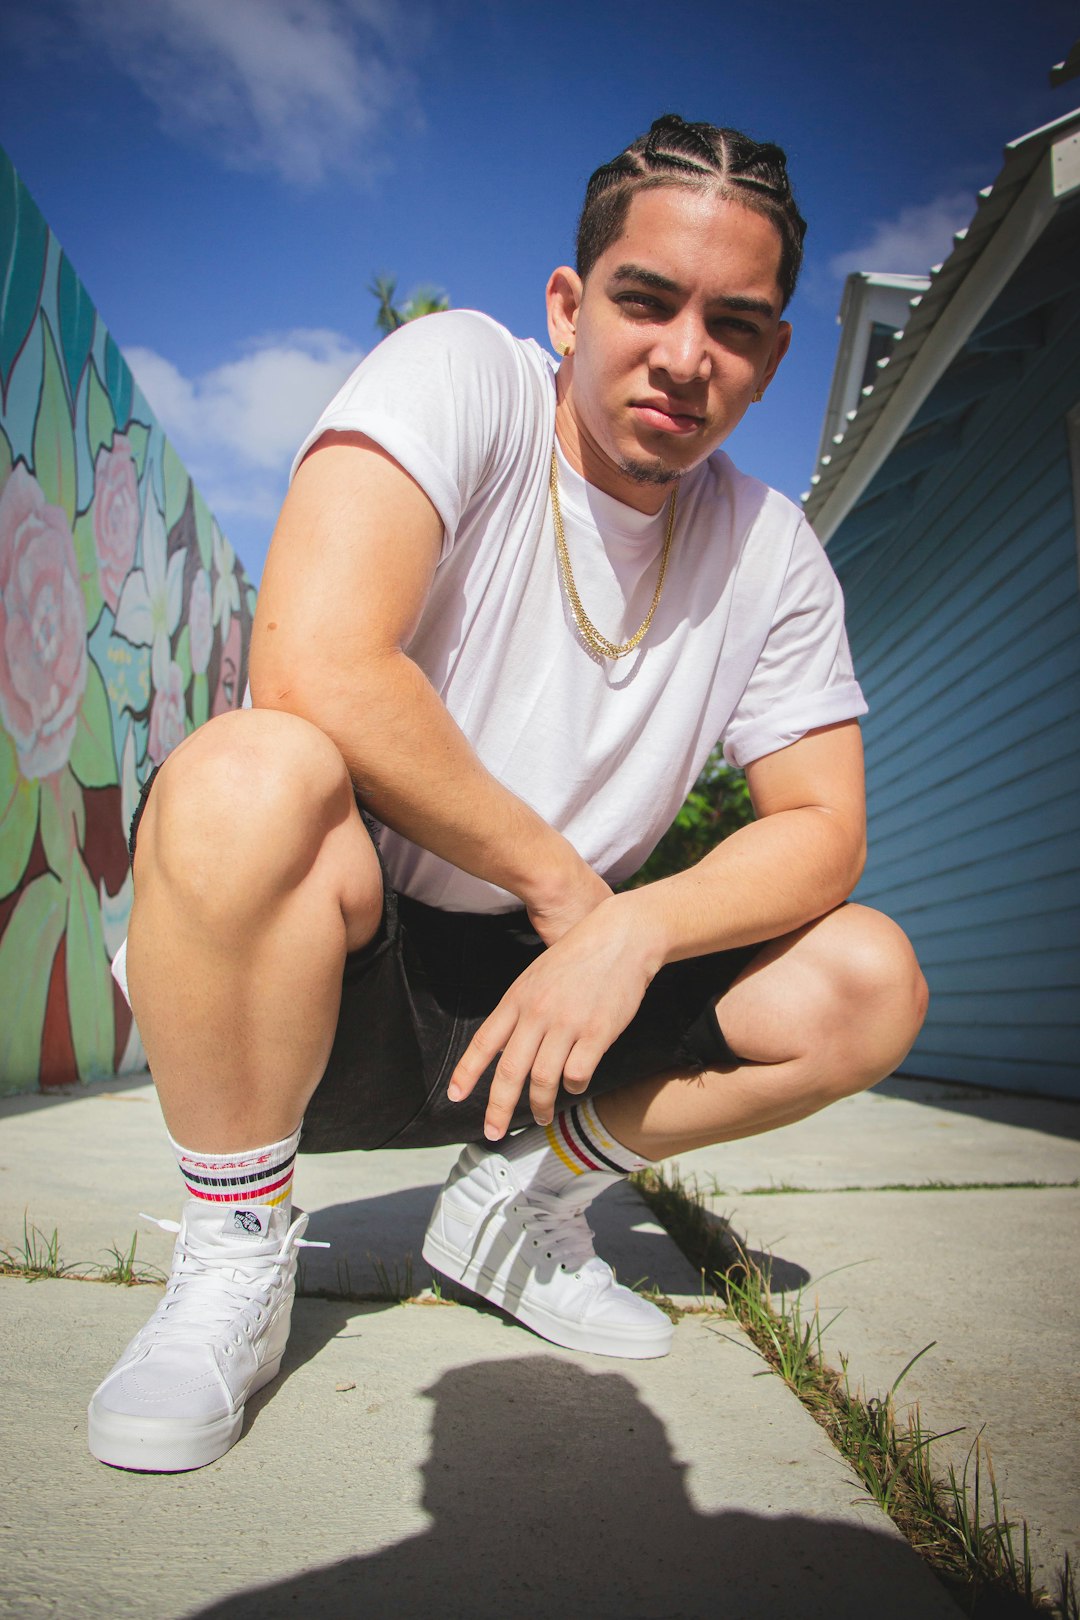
922 355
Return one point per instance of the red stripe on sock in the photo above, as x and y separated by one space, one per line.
253 1195
572 1145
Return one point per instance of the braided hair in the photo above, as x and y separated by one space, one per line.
752 173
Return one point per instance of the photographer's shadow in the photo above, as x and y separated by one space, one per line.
553 1490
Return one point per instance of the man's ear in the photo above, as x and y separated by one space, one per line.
780 348
563 302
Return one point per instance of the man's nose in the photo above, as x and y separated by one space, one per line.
682 350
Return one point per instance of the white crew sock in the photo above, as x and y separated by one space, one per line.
252 1176
574 1144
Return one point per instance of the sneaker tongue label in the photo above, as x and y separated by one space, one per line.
250 1220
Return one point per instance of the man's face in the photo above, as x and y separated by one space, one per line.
676 328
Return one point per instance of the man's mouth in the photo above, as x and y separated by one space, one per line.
666 416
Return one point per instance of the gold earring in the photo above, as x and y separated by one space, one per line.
566 349
759 396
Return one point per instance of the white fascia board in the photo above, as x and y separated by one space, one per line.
1001 257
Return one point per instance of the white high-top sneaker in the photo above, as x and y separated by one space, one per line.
530 1252
175 1399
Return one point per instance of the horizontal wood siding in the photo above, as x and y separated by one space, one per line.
965 626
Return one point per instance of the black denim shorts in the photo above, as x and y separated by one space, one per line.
414 996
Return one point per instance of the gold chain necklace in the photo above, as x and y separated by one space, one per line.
589 633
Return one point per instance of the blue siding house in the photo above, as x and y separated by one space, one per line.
950 505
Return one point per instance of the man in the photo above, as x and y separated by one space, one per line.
509 610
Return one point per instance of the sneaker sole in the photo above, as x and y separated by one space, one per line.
165 1445
647 1344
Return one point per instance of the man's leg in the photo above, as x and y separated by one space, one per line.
254 876
823 1013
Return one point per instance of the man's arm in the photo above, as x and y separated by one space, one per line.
799 860
349 570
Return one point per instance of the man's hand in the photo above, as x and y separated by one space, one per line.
558 1019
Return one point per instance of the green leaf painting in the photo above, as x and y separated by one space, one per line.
118 381
177 484
63 821
18 817
76 314
82 533
89 982
100 424
5 458
92 757
203 529
54 435
24 241
138 437
27 949
200 701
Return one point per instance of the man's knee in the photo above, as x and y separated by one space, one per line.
245 807
878 995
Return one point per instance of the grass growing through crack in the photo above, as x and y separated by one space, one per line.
39 1257
779 1188
396 1286
957 1522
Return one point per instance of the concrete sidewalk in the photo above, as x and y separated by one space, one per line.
985 1271
430 1458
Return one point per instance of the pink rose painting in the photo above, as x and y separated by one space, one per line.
167 715
42 627
116 516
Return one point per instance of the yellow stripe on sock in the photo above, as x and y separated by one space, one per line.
594 1124
556 1147
280 1199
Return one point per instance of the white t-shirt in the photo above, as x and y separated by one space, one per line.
747 644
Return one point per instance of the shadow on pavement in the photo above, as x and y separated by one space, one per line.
554 1491
389 1228
1053 1116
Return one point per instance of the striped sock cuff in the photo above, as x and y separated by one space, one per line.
252 1176
583 1144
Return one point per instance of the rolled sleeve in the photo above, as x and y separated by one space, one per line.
803 677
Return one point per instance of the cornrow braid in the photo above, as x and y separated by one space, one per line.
674 152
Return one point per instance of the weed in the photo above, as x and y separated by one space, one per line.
39 1256
124 1269
777 1188
402 1286
398 1288
969 1542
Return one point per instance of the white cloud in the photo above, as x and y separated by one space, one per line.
295 86
912 241
257 407
237 426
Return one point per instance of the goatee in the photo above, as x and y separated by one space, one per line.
648 472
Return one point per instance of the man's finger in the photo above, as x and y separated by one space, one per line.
482 1050
508 1082
580 1065
547 1075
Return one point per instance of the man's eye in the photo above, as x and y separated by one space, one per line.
640 302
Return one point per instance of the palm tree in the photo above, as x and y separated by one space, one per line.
425 300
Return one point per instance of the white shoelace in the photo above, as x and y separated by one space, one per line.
558 1221
211 1284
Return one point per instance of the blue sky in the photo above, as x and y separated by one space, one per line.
228 175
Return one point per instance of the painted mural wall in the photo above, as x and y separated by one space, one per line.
124 622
